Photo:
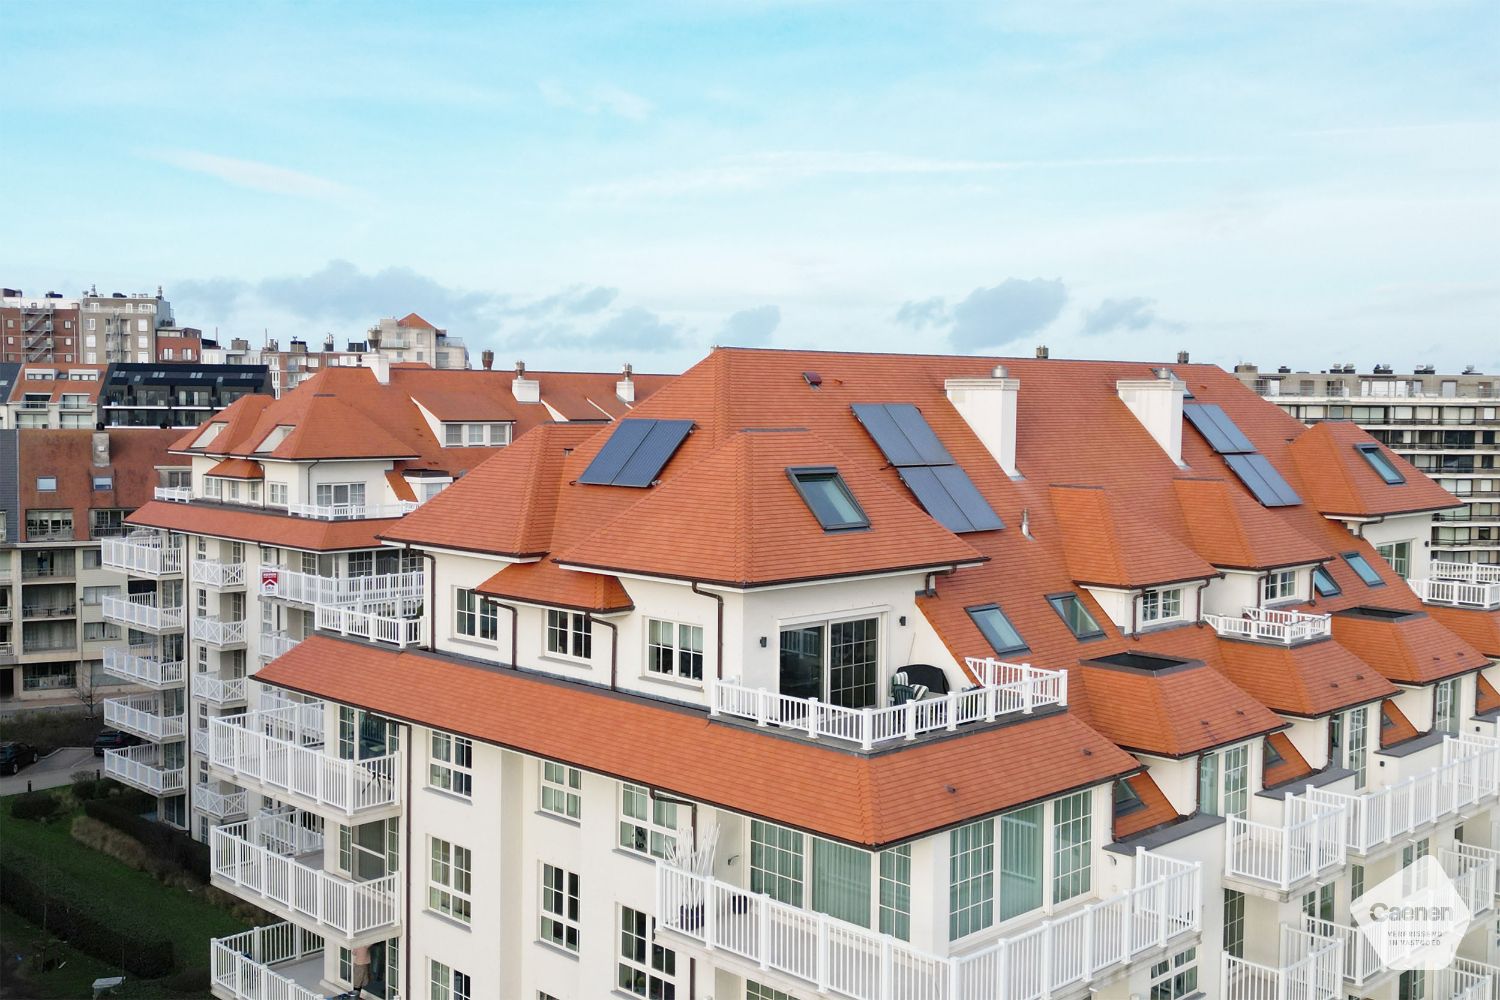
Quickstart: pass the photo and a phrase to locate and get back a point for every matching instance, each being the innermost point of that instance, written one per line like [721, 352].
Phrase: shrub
[84, 923]
[86, 786]
[172, 846]
[188, 983]
[36, 806]
[105, 839]
[49, 730]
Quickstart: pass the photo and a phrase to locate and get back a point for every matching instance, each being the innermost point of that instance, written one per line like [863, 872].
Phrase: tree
[85, 691]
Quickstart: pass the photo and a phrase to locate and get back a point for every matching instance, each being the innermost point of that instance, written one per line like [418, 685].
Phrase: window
[453, 435]
[1323, 582]
[1280, 586]
[1318, 903]
[1445, 713]
[1161, 605]
[840, 877]
[452, 764]
[1383, 466]
[1176, 977]
[674, 649]
[474, 435]
[1356, 730]
[331, 494]
[1366, 572]
[104, 482]
[1080, 622]
[1072, 845]
[1412, 853]
[561, 790]
[448, 984]
[46, 484]
[1021, 835]
[42, 525]
[276, 494]
[450, 880]
[1356, 882]
[1223, 782]
[648, 825]
[1398, 554]
[475, 615]
[645, 968]
[1234, 923]
[829, 499]
[997, 629]
[96, 595]
[971, 879]
[100, 632]
[559, 908]
[1126, 799]
[755, 991]
[570, 634]
[895, 892]
[776, 862]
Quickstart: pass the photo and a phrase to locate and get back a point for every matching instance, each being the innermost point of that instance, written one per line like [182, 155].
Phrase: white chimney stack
[1157, 404]
[379, 364]
[988, 405]
[526, 390]
[625, 388]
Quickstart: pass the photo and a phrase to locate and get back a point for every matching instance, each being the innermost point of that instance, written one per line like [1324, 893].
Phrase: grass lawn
[188, 919]
[71, 980]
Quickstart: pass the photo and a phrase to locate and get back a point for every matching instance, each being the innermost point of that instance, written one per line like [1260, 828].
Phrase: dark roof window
[1324, 582]
[828, 497]
[1366, 572]
[1380, 464]
[997, 629]
[1077, 617]
[1127, 800]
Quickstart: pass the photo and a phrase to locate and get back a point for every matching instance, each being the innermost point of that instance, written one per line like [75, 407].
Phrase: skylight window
[1324, 583]
[1126, 799]
[1380, 464]
[828, 497]
[997, 629]
[1364, 569]
[1077, 617]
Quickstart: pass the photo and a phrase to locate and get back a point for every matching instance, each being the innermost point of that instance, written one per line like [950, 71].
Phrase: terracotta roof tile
[1230, 530]
[1306, 680]
[238, 468]
[1486, 699]
[1395, 727]
[67, 455]
[1336, 479]
[1155, 810]
[1480, 629]
[547, 584]
[1415, 649]
[1113, 551]
[249, 525]
[1291, 766]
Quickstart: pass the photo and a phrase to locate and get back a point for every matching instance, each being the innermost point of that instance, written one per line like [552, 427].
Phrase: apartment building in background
[816, 674]
[165, 394]
[1447, 426]
[39, 395]
[412, 338]
[63, 494]
[89, 329]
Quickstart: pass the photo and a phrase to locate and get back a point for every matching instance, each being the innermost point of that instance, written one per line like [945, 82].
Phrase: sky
[582, 185]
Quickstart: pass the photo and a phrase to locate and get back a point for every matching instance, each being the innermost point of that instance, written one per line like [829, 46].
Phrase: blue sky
[581, 185]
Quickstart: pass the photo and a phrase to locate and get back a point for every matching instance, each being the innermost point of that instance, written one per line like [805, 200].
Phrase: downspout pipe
[514, 629]
[409, 853]
[718, 630]
[614, 648]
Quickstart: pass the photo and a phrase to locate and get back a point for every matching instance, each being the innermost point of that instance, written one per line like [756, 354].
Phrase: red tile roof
[547, 584]
[1155, 812]
[238, 468]
[252, 525]
[873, 801]
[1291, 766]
[67, 455]
[1119, 552]
[1411, 650]
[1335, 485]
[1232, 531]
[1395, 727]
[413, 321]
[1306, 680]
[1480, 629]
[56, 388]
[1486, 699]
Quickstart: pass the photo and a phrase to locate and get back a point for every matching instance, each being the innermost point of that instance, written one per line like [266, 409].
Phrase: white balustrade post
[952, 708]
[710, 911]
[812, 718]
[909, 719]
[823, 957]
[886, 989]
[763, 935]
[1028, 691]
[991, 696]
[713, 696]
[760, 707]
[866, 730]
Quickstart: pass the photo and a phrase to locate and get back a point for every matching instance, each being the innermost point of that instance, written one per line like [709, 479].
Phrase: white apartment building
[859, 676]
[1447, 426]
[412, 338]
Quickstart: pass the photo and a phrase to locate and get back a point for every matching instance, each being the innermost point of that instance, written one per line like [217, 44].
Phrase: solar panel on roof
[1216, 427]
[1262, 479]
[947, 493]
[902, 434]
[636, 452]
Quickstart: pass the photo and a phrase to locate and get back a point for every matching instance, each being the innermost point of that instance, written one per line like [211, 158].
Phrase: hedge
[163, 841]
[36, 806]
[113, 941]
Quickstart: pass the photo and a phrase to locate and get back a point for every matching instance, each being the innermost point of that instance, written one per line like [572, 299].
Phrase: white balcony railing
[220, 805]
[218, 631]
[140, 611]
[1006, 689]
[1461, 585]
[403, 630]
[256, 865]
[274, 644]
[1288, 628]
[143, 553]
[833, 956]
[1476, 853]
[350, 511]
[219, 690]
[142, 715]
[253, 965]
[341, 591]
[1309, 842]
[1361, 961]
[214, 573]
[141, 767]
[281, 752]
[174, 494]
[1479, 981]
[1311, 968]
[142, 667]
[1468, 777]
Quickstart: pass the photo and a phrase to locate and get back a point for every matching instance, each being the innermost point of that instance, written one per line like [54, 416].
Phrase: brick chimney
[487, 360]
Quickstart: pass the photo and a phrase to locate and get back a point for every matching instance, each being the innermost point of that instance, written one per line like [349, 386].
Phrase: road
[50, 772]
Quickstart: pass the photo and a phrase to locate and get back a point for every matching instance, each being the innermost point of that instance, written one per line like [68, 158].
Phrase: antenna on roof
[1026, 522]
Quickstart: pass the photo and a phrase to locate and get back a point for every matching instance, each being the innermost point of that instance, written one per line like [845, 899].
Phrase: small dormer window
[828, 497]
[1381, 464]
[1126, 799]
[1077, 617]
[272, 440]
[1362, 567]
[997, 629]
[209, 433]
[1280, 586]
[1161, 605]
[1324, 584]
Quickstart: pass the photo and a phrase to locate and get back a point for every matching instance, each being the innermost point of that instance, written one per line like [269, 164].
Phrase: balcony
[138, 664]
[141, 767]
[142, 715]
[1006, 689]
[274, 644]
[276, 863]
[220, 691]
[834, 957]
[1308, 844]
[1361, 962]
[1467, 780]
[1311, 968]
[342, 591]
[1283, 628]
[1461, 585]
[403, 630]
[275, 962]
[61, 534]
[174, 494]
[350, 511]
[280, 753]
[140, 612]
[220, 805]
[214, 573]
[145, 554]
[51, 570]
[38, 611]
[218, 631]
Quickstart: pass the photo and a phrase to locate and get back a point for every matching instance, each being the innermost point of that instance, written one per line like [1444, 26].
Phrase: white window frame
[650, 828]
[1178, 974]
[1279, 585]
[451, 764]
[560, 908]
[654, 973]
[450, 880]
[474, 617]
[349, 489]
[276, 494]
[1399, 560]
[574, 629]
[445, 983]
[677, 645]
[1163, 604]
[560, 791]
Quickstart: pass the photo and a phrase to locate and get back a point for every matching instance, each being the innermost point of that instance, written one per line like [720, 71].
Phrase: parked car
[113, 739]
[14, 756]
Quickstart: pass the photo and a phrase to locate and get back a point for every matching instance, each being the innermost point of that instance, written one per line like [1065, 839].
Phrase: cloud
[250, 174]
[751, 327]
[635, 329]
[215, 296]
[576, 300]
[920, 315]
[341, 291]
[608, 99]
[990, 317]
[1119, 314]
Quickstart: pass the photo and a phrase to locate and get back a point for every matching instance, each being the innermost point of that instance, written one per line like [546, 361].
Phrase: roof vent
[1182, 357]
[487, 359]
[1472, 370]
[813, 379]
[1041, 351]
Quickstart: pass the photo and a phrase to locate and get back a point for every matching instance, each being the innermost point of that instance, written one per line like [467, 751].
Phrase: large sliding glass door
[802, 661]
[837, 662]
